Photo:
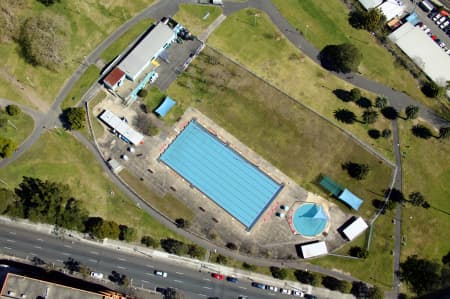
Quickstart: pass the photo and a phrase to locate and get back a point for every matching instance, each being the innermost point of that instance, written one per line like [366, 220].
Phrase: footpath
[191, 263]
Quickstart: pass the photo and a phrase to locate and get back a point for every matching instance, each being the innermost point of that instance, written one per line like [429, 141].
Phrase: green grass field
[18, 128]
[122, 42]
[68, 161]
[90, 23]
[192, 16]
[326, 22]
[266, 52]
[426, 169]
[89, 77]
[295, 140]
[165, 204]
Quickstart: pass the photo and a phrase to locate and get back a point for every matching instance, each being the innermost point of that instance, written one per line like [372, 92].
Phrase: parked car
[259, 285]
[443, 25]
[423, 27]
[97, 275]
[427, 31]
[160, 273]
[441, 20]
[232, 279]
[442, 44]
[218, 276]
[437, 17]
[272, 288]
[309, 296]
[285, 291]
[297, 293]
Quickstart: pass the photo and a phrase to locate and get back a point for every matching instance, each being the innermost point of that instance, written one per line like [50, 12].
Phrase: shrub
[196, 251]
[358, 252]
[142, 93]
[13, 110]
[174, 246]
[182, 223]
[149, 242]
[221, 259]
[386, 133]
[231, 246]
[374, 133]
[278, 273]
[249, 267]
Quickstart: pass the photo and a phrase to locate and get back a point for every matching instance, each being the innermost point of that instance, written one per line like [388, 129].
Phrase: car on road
[285, 291]
[232, 279]
[96, 275]
[437, 17]
[298, 293]
[309, 296]
[160, 273]
[271, 288]
[218, 276]
[242, 297]
[259, 285]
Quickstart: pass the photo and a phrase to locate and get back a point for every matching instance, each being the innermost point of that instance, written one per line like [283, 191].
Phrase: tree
[248, 266]
[357, 171]
[343, 58]
[221, 259]
[231, 246]
[374, 133]
[432, 90]
[128, 234]
[336, 284]
[369, 116]
[421, 131]
[103, 228]
[386, 133]
[76, 117]
[142, 93]
[308, 277]
[144, 125]
[412, 112]
[278, 273]
[444, 133]
[364, 102]
[395, 195]
[174, 246]
[389, 112]
[376, 293]
[421, 274]
[13, 110]
[372, 20]
[43, 40]
[182, 223]
[49, 2]
[196, 251]
[10, 19]
[173, 294]
[72, 265]
[73, 216]
[7, 198]
[149, 242]
[7, 147]
[417, 200]
[355, 94]
[358, 252]
[380, 102]
[344, 115]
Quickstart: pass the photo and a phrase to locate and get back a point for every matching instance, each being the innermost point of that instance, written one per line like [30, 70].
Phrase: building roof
[314, 249]
[165, 107]
[423, 51]
[17, 286]
[368, 4]
[392, 9]
[351, 199]
[328, 184]
[121, 127]
[147, 48]
[355, 228]
[114, 76]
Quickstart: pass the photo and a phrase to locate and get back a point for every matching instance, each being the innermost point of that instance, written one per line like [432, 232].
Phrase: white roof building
[356, 228]
[121, 127]
[314, 249]
[368, 4]
[423, 51]
[392, 9]
[147, 50]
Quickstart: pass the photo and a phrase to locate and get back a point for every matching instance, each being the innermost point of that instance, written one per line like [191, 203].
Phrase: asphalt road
[195, 283]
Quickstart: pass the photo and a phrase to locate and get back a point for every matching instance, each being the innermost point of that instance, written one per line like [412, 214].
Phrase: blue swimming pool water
[309, 219]
[221, 173]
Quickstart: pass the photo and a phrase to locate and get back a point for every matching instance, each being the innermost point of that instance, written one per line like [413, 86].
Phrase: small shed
[355, 228]
[165, 107]
[314, 249]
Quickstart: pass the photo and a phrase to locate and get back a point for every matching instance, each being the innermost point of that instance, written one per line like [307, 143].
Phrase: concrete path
[205, 34]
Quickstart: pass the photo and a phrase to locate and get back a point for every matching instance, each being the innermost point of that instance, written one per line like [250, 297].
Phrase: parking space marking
[244, 288]
[179, 273]
[10, 241]
[7, 248]
[122, 259]
[207, 279]
[149, 274]
[145, 281]
[94, 252]
[179, 281]
[120, 267]
[37, 247]
[65, 253]
[208, 288]
[67, 246]
[92, 260]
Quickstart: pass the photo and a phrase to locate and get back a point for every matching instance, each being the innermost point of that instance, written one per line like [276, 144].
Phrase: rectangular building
[314, 249]
[356, 228]
[127, 133]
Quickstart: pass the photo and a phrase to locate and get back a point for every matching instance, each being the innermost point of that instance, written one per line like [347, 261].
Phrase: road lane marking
[208, 288]
[92, 260]
[203, 295]
[60, 261]
[10, 241]
[39, 239]
[145, 281]
[120, 267]
[122, 259]
[243, 288]
[7, 248]
[148, 273]
[67, 246]
[207, 279]
[179, 281]
[65, 253]
[179, 273]
[37, 247]
[13, 233]
[150, 266]
[94, 252]
[32, 253]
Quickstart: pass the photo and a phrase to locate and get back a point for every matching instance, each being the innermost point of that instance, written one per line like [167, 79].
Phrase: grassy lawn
[82, 85]
[192, 16]
[68, 161]
[10, 93]
[326, 22]
[297, 141]
[154, 99]
[98, 128]
[266, 52]
[165, 204]
[425, 169]
[122, 42]
[19, 128]
[90, 23]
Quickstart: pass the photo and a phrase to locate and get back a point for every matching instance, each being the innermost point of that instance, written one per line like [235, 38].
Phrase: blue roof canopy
[351, 199]
[165, 107]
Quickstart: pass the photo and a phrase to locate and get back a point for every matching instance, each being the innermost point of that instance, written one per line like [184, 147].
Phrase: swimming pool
[309, 219]
[222, 174]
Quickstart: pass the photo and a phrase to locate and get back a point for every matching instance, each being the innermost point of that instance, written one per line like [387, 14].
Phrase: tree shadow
[364, 102]
[342, 94]
[344, 115]
[421, 131]
[64, 120]
[374, 133]
[389, 113]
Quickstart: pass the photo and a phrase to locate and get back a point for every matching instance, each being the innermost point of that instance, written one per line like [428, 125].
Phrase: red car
[218, 276]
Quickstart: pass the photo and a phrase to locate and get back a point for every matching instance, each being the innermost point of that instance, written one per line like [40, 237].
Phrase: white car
[438, 22]
[160, 273]
[298, 293]
[427, 31]
[443, 25]
[272, 288]
[285, 291]
[442, 44]
[437, 17]
[423, 27]
[97, 275]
